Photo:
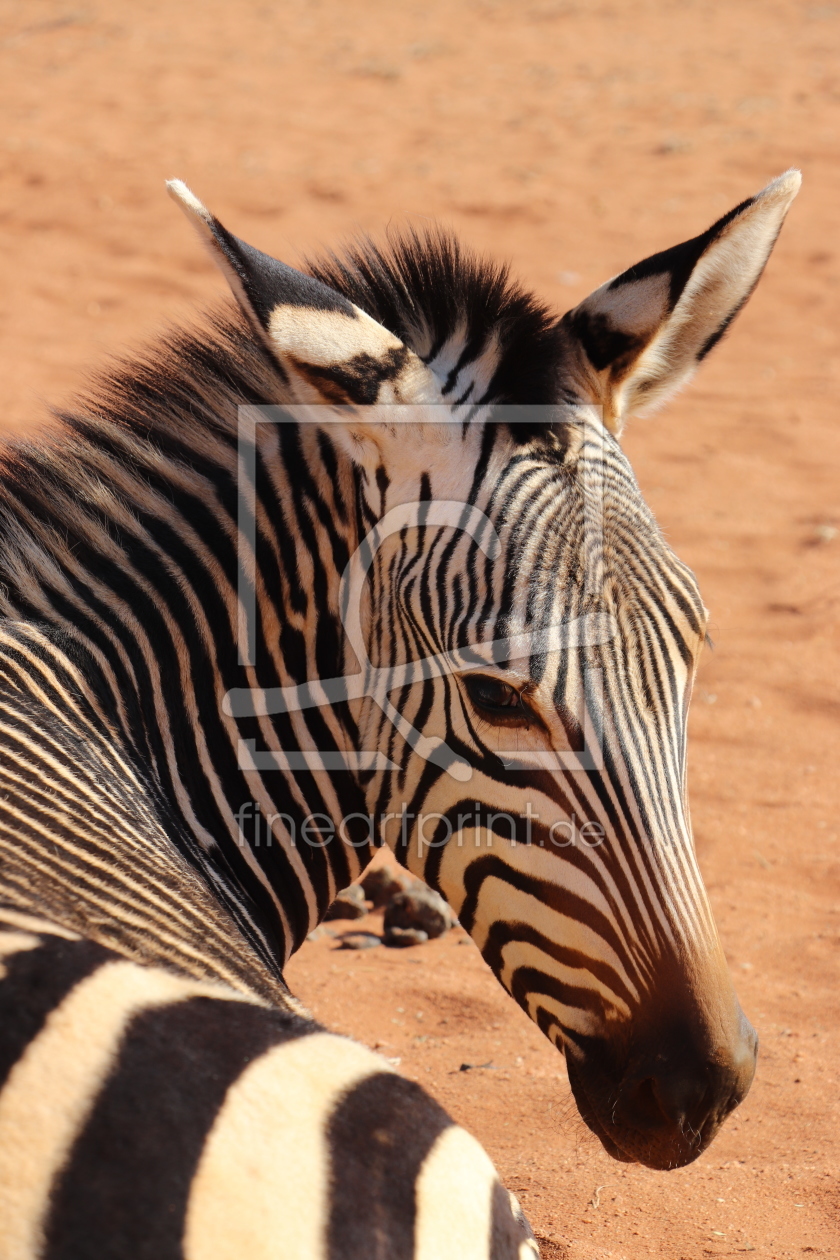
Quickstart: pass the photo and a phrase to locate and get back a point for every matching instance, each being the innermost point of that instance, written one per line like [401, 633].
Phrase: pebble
[419, 908]
[349, 904]
[383, 883]
[399, 938]
[318, 932]
[360, 940]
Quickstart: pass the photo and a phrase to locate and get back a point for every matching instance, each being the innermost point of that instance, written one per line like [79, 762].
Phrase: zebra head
[520, 639]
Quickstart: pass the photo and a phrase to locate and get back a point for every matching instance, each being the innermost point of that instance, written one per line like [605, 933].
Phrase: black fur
[605, 345]
[424, 287]
[36, 981]
[269, 283]
[378, 1138]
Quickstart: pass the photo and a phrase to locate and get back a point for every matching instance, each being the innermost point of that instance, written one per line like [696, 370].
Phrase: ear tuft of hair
[186, 198]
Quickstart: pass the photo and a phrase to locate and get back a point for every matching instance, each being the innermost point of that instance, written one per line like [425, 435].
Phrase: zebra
[297, 584]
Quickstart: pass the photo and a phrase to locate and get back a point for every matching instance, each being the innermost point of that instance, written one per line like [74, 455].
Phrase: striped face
[556, 823]
[521, 639]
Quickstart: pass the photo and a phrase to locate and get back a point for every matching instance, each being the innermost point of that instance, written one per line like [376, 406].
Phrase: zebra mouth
[587, 1114]
[612, 1149]
[663, 1148]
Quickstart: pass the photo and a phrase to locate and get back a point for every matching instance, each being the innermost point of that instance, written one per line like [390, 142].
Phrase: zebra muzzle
[671, 1101]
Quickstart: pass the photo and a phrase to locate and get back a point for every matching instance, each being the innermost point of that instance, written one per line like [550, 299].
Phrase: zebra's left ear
[643, 333]
[330, 351]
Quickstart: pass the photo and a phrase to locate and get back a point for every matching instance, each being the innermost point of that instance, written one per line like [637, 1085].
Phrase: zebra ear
[643, 333]
[331, 352]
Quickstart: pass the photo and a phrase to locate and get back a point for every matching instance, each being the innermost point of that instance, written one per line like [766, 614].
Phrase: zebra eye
[495, 699]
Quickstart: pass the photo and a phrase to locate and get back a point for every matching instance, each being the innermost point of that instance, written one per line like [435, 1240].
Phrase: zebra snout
[671, 1106]
[661, 1101]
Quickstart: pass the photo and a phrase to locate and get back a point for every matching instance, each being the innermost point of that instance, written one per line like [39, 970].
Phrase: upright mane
[452, 307]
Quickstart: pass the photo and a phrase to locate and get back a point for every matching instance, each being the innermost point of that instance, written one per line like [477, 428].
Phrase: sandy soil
[572, 138]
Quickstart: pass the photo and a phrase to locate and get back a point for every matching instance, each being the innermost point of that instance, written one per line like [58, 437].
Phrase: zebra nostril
[682, 1092]
[644, 1101]
[685, 1102]
[666, 1100]
[749, 1045]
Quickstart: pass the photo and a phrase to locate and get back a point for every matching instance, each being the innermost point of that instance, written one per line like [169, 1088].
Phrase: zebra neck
[122, 548]
[297, 836]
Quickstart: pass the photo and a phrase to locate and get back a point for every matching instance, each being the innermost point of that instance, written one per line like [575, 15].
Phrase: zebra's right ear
[330, 351]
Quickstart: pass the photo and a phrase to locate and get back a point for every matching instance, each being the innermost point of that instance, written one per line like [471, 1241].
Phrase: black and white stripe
[155, 790]
[146, 1115]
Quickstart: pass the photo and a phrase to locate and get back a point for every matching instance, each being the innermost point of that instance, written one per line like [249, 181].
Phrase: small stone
[360, 940]
[385, 882]
[349, 904]
[318, 932]
[419, 908]
[399, 938]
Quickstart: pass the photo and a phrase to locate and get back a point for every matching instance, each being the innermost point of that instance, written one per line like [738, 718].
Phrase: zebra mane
[448, 304]
[143, 420]
[175, 401]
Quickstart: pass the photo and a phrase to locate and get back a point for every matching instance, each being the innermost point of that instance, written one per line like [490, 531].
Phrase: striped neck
[121, 546]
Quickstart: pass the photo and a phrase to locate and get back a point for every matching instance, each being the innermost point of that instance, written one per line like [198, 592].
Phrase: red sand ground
[572, 138]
